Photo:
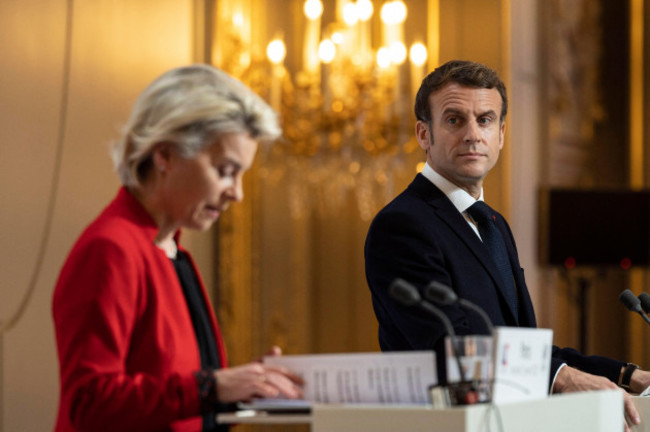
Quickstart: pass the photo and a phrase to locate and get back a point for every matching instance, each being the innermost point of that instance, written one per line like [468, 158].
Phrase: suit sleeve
[596, 365]
[95, 306]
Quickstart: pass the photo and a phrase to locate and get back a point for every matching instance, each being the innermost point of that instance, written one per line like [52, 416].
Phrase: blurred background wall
[286, 266]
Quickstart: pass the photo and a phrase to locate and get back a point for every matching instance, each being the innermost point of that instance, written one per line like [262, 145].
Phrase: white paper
[392, 378]
[522, 363]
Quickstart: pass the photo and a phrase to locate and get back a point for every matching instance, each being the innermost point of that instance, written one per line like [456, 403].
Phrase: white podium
[589, 412]
[593, 412]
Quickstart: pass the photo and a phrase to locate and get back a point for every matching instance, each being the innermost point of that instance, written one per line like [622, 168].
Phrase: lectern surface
[600, 411]
[588, 412]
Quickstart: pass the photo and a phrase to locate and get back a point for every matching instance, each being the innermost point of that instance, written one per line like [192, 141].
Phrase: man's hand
[640, 381]
[571, 380]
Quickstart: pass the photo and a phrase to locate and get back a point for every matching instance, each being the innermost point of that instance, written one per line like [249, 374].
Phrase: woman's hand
[274, 351]
[256, 380]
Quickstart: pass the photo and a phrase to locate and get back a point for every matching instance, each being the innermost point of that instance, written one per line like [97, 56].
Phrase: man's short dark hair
[464, 73]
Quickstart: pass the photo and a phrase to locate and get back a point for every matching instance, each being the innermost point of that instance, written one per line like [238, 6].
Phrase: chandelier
[345, 100]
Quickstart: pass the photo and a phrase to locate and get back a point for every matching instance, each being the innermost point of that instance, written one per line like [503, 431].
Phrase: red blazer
[126, 345]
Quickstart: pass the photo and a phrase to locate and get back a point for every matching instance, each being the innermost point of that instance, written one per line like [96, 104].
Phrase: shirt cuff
[206, 381]
[555, 377]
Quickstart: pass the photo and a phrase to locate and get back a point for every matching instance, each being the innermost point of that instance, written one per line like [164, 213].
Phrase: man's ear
[502, 134]
[423, 135]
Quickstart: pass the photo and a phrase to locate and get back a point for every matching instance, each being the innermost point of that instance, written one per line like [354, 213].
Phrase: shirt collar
[460, 198]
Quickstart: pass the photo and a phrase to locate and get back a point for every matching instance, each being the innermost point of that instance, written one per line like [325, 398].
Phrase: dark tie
[492, 238]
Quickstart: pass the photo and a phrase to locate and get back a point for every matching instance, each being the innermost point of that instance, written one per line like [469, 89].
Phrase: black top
[202, 327]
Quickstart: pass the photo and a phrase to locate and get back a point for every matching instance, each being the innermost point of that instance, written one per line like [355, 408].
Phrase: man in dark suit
[433, 231]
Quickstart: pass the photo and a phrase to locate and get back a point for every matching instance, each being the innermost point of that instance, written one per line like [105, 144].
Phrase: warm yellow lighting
[419, 167]
[397, 52]
[383, 57]
[276, 51]
[313, 9]
[326, 51]
[381, 178]
[356, 59]
[238, 20]
[364, 9]
[354, 167]
[337, 38]
[386, 13]
[418, 54]
[350, 14]
[341, 93]
[393, 12]
[400, 11]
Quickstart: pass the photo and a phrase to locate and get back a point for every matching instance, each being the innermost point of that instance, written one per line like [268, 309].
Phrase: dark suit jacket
[420, 236]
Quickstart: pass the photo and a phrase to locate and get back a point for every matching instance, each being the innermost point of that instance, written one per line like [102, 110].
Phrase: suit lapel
[450, 215]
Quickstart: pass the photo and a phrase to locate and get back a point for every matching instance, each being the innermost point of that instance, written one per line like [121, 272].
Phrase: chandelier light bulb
[418, 54]
[393, 12]
[386, 17]
[276, 51]
[397, 52]
[364, 9]
[337, 37]
[400, 11]
[238, 19]
[313, 9]
[383, 57]
[350, 14]
[326, 51]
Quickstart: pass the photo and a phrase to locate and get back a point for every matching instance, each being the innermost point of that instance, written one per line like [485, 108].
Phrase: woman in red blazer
[138, 342]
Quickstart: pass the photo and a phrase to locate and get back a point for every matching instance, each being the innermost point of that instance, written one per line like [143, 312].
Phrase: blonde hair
[189, 107]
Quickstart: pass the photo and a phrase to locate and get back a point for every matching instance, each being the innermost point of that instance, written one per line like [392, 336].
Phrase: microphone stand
[464, 392]
[442, 294]
[450, 331]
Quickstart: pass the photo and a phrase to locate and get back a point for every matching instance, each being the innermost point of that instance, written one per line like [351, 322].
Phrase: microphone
[408, 295]
[631, 302]
[644, 298]
[441, 294]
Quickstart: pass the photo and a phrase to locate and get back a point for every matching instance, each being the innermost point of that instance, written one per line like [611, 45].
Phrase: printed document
[391, 378]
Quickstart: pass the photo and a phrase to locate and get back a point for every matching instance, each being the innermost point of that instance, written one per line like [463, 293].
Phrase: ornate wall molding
[573, 49]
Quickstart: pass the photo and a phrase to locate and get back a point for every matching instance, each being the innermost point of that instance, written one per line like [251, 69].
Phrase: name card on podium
[522, 363]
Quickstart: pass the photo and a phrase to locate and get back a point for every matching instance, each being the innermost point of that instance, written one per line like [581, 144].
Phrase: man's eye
[452, 120]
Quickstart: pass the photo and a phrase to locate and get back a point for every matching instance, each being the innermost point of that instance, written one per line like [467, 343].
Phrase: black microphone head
[404, 292]
[440, 293]
[644, 298]
[630, 301]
